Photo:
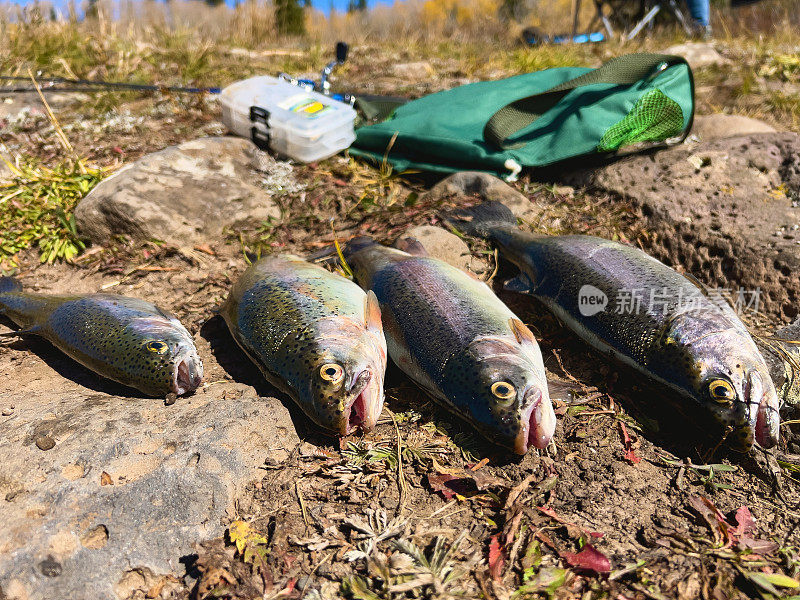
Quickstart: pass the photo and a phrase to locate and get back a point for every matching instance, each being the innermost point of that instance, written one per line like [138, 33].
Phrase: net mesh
[655, 118]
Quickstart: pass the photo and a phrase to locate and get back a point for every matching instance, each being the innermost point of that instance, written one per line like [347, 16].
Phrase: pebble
[45, 442]
[7, 412]
[50, 567]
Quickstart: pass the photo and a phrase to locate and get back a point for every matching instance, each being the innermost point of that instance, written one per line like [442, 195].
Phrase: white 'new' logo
[591, 300]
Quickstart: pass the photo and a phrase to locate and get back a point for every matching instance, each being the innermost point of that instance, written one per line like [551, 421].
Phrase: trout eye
[156, 346]
[504, 391]
[332, 372]
[721, 391]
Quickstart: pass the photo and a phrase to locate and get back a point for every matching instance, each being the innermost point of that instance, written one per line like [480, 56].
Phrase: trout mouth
[187, 376]
[356, 413]
[763, 405]
[538, 422]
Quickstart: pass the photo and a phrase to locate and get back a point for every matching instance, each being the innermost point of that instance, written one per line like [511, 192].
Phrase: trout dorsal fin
[372, 312]
[521, 331]
[714, 296]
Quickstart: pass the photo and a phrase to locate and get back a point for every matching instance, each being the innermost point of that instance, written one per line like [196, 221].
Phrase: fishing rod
[63, 84]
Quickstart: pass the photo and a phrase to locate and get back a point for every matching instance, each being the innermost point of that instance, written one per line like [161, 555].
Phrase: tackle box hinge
[260, 138]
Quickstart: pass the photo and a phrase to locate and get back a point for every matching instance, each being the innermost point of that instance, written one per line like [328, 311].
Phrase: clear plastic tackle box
[290, 120]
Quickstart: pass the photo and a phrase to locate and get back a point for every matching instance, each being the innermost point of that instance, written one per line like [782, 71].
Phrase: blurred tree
[214, 2]
[91, 9]
[357, 6]
[290, 18]
[514, 10]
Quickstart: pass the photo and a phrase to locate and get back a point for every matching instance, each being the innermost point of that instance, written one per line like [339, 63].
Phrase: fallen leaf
[497, 559]
[553, 515]
[588, 559]
[745, 522]
[205, 248]
[714, 519]
[438, 483]
[547, 580]
[780, 580]
[627, 442]
[249, 542]
[452, 481]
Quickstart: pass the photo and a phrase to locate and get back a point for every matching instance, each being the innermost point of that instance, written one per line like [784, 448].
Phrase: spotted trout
[629, 305]
[316, 336]
[458, 341]
[127, 340]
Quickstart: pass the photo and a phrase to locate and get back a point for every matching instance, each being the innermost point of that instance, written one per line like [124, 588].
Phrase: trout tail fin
[9, 284]
[482, 220]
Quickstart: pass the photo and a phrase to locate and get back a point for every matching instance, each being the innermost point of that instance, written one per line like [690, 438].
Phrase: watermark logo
[591, 300]
[635, 301]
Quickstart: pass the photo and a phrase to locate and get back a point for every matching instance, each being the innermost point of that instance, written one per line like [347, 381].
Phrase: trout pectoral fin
[372, 312]
[520, 284]
[521, 331]
[35, 330]
[411, 245]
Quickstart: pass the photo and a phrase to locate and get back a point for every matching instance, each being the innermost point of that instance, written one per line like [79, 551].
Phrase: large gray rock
[726, 211]
[698, 54]
[185, 194]
[720, 126]
[441, 244]
[485, 187]
[127, 488]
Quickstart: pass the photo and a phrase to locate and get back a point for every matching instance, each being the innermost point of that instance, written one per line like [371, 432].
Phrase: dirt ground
[348, 518]
[630, 502]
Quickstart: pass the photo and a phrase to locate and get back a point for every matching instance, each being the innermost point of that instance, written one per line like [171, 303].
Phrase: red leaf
[438, 483]
[497, 559]
[714, 519]
[745, 522]
[588, 559]
[630, 455]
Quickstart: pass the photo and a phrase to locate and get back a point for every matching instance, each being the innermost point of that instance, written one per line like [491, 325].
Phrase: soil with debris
[629, 502]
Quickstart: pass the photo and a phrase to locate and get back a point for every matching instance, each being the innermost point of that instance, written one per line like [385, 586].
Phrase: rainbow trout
[125, 339]
[459, 342]
[316, 336]
[627, 304]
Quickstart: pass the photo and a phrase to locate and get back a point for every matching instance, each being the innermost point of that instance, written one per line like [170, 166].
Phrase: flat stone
[698, 54]
[442, 244]
[174, 475]
[185, 194]
[720, 126]
[726, 211]
[485, 187]
[413, 70]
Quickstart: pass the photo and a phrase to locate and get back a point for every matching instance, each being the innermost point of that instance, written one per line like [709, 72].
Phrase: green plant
[36, 209]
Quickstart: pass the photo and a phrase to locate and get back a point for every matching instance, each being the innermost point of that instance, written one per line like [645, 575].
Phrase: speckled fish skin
[127, 340]
[316, 336]
[457, 340]
[680, 337]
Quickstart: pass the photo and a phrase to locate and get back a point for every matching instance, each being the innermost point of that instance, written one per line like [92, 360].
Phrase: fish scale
[293, 319]
[457, 340]
[128, 340]
[681, 337]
